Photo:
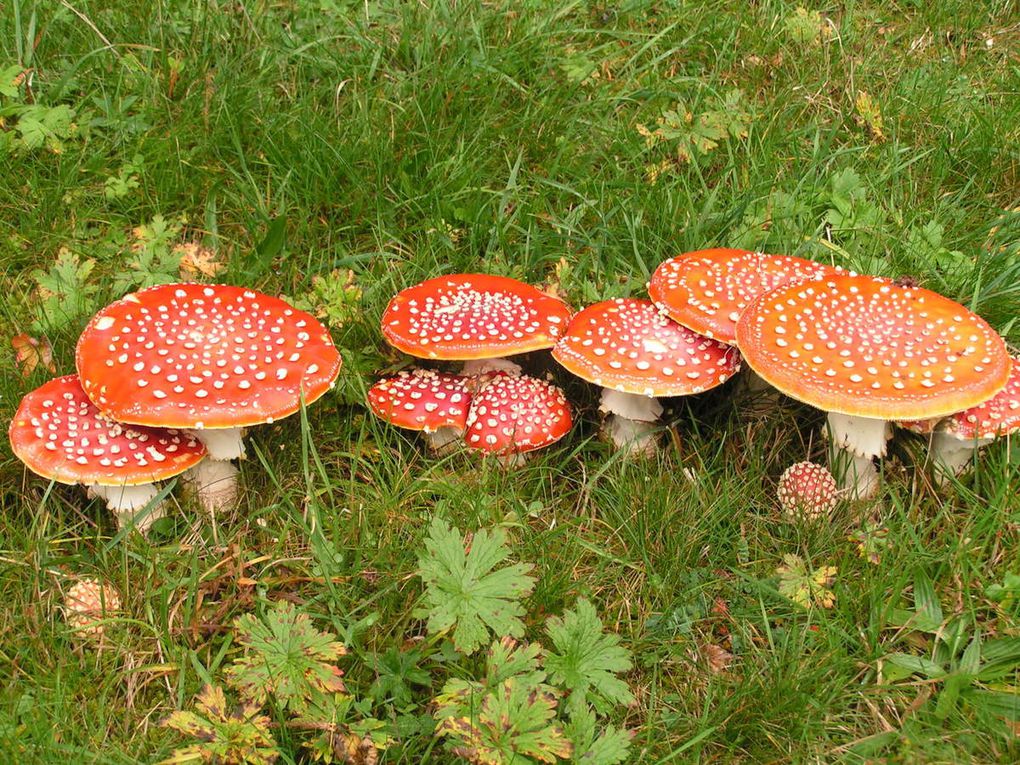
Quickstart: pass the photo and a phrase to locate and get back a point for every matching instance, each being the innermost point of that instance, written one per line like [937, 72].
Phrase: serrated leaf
[240, 737]
[592, 746]
[285, 656]
[465, 592]
[586, 659]
[507, 658]
[514, 725]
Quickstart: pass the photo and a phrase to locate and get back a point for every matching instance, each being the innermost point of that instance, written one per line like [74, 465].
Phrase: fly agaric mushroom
[87, 603]
[807, 490]
[210, 359]
[470, 317]
[61, 435]
[514, 414]
[707, 290]
[956, 440]
[636, 355]
[435, 403]
[867, 350]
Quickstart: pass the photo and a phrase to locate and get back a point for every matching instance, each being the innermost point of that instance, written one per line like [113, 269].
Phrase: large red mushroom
[60, 434]
[209, 359]
[867, 351]
[473, 318]
[637, 355]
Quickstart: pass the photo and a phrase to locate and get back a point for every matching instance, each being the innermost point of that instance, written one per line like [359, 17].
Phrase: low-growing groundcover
[369, 602]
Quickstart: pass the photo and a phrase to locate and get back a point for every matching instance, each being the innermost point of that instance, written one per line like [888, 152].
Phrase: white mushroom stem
[952, 455]
[214, 483]
[857, 442]
[476, 367]
[127, 501]
[222, 443]
[443, 440]
[631, 421]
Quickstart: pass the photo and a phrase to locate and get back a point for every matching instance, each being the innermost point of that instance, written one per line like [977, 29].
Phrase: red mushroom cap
[996, 417]
[61, 435]
[517, 414]
[707, 290]
[628, 345]
[204, 356]
[807, 489]
[422, 399]
[472, 316]
[867, 347]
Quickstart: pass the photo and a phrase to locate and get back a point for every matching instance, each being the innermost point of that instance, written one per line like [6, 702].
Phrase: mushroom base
[951, 455]
[857, 477]
[443, 440]
[636, 438]
[631, 421]
[214, 484]
[222, 443]
[128, 502]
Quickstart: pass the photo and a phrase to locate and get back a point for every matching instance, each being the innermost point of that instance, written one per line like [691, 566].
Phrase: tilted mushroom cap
[996, 417]
[472, 316]
[867, 347]
[422, 399]
[629, 346]
[517, 413]
[707, 290]
[61, 435]
[204, 356]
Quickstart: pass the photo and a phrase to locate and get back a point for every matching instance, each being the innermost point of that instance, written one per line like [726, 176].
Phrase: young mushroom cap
[87, 603]
[627, 345]
[421, 399]
[204, 357]
[512, 414]
[707, 290]
[472, 316]
[61, 435]
[866, 347]
[807, 490]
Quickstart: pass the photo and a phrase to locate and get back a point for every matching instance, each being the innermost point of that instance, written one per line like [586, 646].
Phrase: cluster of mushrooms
[167, 379]
[869, 351]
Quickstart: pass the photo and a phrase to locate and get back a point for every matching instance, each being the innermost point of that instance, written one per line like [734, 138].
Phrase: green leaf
[514, 725]
[285, 656]
[998, 703]
[586, 659]
[65, 291]
[397, 671]
[465, 592]
[592, 746]
[897, 666]
[1000, 657]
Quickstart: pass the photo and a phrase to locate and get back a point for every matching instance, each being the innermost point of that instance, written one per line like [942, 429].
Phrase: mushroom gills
[128, 503]
[222, 443]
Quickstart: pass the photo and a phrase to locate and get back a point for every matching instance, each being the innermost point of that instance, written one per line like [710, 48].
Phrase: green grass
[403, 140]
